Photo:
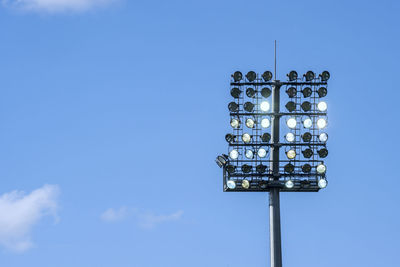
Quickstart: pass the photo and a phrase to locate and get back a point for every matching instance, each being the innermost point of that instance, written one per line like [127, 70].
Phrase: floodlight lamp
[321, 169]
[234, 154]
[309, 76]
[290, 106]
[230, 169]
[249, 154]
[292, 75]
[322, 106]
[323, 152]
[306, 168]
[322, 183]
[218, 163]
[307, 123]
[323, 137]
[322, 92]
[245, 184]
[261, 168]
[237, 76]
[289, 168]
[233, 107]
[267, 76]
[250, 123]
[246, 138]
[289, 184]
[264, 106]
[321, 123]
[251, 76]
[250, 92]
[235, 123]
[290, 137]
[235, 92]
[307, 92]
[308, 153]
[306, 106]
[262, 153]
[222, 160]
[230, 138]
[325, 75]
[265, 137]
[307, 137]
[265, 123]
[246, 168]
[265, 92]
[248, 106]
[291, 123]
[292, 92]
[291, 154]
[231, 184]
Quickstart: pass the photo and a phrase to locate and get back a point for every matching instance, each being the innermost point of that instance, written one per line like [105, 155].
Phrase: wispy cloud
[115, 215]
[151, 220]
[56, 6]
[19, 212]
[144, 219]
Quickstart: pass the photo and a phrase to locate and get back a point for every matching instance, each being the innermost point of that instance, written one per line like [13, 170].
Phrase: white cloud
[114, 215]
[150, 220]
[56, 6]
[20, 212]
[146, 220]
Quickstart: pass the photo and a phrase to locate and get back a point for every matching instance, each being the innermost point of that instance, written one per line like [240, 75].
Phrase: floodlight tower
[256, 133]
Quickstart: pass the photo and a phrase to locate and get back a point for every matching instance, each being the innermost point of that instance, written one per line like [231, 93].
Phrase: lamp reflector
[246, 138]
[322, 183]
[237, 76]
[290, 137]
[235, 92]
[325, 75]
[231, 184]
[265, 123]
[321, 169]
[292, 92]
[289, 184]
[265, 92]
[322, 106]
[245, 184]
[235, 123]
[251, 76]
[265, 137]
[307, 92]
[248, 106]
[234, 154]
[250, 92]
[267, 76]
[250, 123]
[307, 123]
[290, 106]
[291, 123]
[264, 106]
[233, 107]
[292, 75]
[321, 123]
[262, 153]
[323, 137]
[309, 76]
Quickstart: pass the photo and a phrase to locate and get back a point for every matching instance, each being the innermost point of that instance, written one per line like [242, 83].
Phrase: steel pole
[274, 205]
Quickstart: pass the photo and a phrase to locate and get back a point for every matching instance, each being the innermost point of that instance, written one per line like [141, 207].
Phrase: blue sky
[112, 113]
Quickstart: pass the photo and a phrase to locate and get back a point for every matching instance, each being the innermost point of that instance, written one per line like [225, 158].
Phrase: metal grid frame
[263, 182]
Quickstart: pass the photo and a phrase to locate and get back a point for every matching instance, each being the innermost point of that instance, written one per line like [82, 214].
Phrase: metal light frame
[276, 177]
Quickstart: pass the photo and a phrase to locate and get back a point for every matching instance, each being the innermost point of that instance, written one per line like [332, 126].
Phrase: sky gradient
[112, 115]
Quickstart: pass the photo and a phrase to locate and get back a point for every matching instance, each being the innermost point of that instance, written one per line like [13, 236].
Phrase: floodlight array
[301, 166]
